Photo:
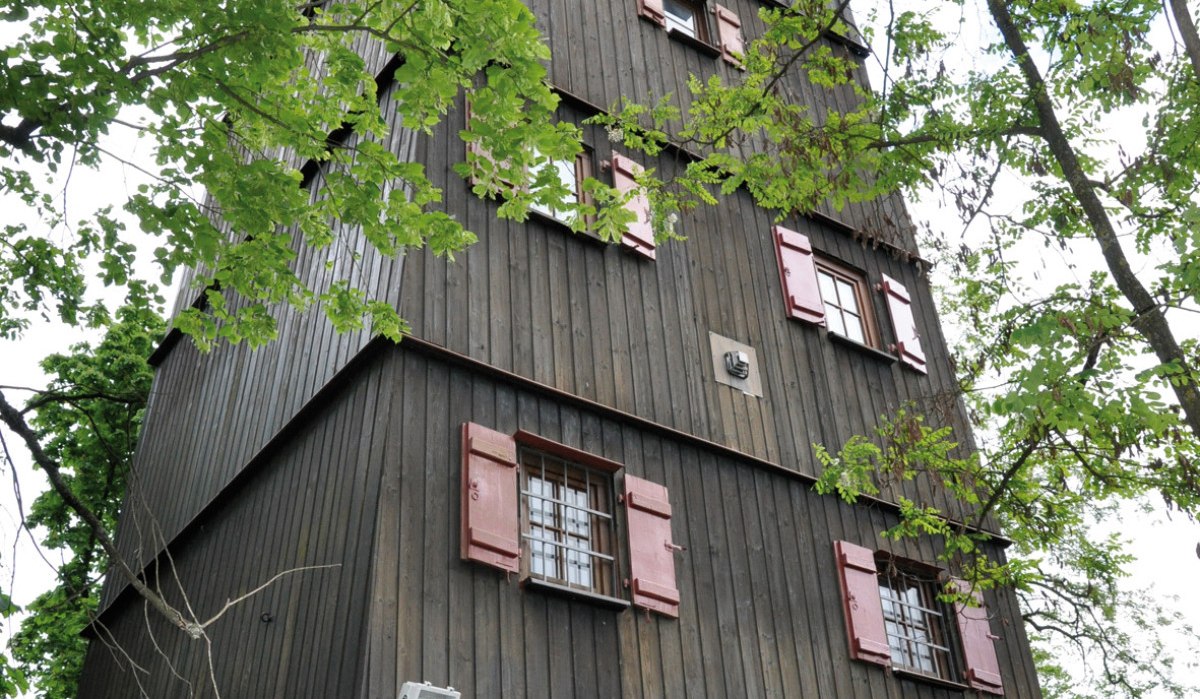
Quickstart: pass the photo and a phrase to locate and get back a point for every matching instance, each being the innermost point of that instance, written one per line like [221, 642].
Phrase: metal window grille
[568, 525]
[918, 625]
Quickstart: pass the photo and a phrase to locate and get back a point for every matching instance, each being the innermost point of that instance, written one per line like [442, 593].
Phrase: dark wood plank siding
[311, 503]
[214, 412]
[607, 325]
[760, 613]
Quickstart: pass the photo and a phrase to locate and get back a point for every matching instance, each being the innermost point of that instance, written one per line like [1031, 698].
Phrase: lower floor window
[918, 625]
[567, 522]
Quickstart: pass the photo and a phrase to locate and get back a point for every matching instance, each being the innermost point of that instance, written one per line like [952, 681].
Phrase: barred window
[918, 625]
[567, 523]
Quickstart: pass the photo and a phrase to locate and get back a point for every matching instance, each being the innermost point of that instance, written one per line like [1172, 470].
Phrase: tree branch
[16, 422]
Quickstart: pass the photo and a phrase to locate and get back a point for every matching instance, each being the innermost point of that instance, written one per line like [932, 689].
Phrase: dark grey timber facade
[344, 453]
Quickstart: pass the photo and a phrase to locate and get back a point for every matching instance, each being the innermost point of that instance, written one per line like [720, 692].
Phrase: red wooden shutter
[908, 342]
[651, 549]
[639, 236]
[979, 648]
[860, 599]
[653, 11]
[798, 276]
[489, 498]
[729, 29]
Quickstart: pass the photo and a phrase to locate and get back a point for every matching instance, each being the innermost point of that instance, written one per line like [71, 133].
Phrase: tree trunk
[1149, 320]
[1187, 28]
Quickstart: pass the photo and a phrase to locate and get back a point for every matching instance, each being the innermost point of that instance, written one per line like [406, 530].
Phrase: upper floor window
[686, 18]
[821, 292]
[847, 303]
[570, 174]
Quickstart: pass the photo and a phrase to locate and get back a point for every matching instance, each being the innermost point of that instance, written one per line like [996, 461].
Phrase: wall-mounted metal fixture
[737, 364]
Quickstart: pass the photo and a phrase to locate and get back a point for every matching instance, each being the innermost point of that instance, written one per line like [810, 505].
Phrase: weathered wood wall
[308, 502]
[760, 615]
[371, 483]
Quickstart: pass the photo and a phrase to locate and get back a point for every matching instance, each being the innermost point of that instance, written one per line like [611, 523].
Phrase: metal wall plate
[752, 384]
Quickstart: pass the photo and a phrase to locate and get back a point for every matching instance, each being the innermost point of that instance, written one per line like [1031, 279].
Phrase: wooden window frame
[537, 455]
[905, 621]
[862, 297]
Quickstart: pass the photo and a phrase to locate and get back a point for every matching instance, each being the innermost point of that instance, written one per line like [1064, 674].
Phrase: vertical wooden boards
[303, 507]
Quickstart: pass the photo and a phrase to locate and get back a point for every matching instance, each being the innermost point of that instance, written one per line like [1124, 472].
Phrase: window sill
[867, 349]
[699, 44]
[599, 600]
[929, 679]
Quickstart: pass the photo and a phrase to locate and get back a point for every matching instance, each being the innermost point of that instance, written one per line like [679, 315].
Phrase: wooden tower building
[587, 473]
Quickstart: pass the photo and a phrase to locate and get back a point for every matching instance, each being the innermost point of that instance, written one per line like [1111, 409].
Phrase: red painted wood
[489, 498]
[860, 599]
[908, 342]
[639, 236]
[979, 647]
[729, 30]
[798, 276]
[651, 548]
[653, 11]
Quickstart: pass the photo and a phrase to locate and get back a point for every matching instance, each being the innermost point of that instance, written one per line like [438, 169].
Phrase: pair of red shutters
[491, 519]
[802, 293]
[859, 580]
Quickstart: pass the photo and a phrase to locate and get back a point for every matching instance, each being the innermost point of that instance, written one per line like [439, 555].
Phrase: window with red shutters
[798, 276]
[548, 511]
[729, 30]
[895, 617]
[489, 498]
[908, 340]
[980, 663]
[651, 547]
[639, 236]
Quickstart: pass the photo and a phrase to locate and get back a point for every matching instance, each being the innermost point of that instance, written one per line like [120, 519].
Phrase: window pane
[828, 290]
[854, 329]
[833, 319]
[846, 296]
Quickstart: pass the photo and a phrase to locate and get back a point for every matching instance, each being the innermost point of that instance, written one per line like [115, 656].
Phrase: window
[686, 20]
[567, 522]
[547, 512]
[570, 174]
[685, 17]
[916, 622]
[847, 304]
[894, 619]
[821, 292]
